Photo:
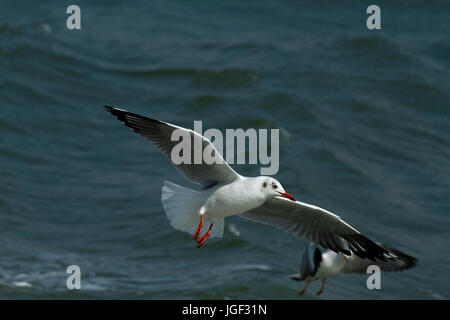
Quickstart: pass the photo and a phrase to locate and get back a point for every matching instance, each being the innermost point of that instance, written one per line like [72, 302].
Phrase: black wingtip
[409, 261]
[363, 247]
[118, 113]
[124, 116]
[112, 110]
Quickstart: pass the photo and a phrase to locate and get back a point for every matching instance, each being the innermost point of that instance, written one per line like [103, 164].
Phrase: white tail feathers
[182, 210]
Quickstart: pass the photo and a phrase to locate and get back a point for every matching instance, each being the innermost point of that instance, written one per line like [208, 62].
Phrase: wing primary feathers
[160, 134]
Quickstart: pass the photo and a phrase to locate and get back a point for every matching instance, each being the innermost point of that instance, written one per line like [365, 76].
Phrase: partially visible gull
[322, 265]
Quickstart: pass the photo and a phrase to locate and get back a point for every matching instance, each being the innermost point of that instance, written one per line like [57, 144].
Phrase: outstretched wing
[397, 261]
[317, 225]
[160, 134]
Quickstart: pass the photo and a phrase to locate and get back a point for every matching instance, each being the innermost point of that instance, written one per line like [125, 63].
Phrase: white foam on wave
[22, 284]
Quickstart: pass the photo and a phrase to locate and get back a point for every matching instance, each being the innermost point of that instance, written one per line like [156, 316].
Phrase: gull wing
[160, 133]
[316, 224]
[397, 261]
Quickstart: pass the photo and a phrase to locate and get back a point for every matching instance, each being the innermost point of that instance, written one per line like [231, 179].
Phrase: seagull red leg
[308, 280]
[322, 287]
[203, 239]
[199, 228]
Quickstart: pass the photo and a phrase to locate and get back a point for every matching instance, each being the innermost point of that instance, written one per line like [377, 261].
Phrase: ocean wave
[233, 77]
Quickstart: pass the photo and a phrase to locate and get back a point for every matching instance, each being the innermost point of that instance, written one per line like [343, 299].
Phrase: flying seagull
[225, 193]
[322, 265]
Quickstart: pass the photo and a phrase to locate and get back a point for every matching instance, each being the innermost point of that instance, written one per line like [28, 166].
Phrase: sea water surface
[364, 132]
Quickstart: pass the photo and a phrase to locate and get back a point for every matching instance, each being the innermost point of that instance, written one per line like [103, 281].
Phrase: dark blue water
[363, 115]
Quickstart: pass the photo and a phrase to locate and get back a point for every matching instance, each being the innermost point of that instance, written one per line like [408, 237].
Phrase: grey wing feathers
[317, 225]
[396, 261]
[160, 133]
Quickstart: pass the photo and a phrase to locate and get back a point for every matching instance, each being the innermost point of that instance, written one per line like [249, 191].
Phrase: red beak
[287, 195]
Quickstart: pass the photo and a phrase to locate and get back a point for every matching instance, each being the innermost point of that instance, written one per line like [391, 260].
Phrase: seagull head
[272, 188]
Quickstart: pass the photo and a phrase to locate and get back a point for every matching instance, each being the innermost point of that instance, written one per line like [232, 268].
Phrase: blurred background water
[364, 120]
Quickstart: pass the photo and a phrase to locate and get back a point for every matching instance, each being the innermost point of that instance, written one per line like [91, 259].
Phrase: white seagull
[322, 265]
[225, 193]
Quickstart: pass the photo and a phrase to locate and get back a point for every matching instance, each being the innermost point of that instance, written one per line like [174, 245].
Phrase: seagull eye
[274, 186]
[264, 184]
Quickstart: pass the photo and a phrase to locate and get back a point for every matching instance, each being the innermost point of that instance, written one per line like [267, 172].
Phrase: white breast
[234, 198]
